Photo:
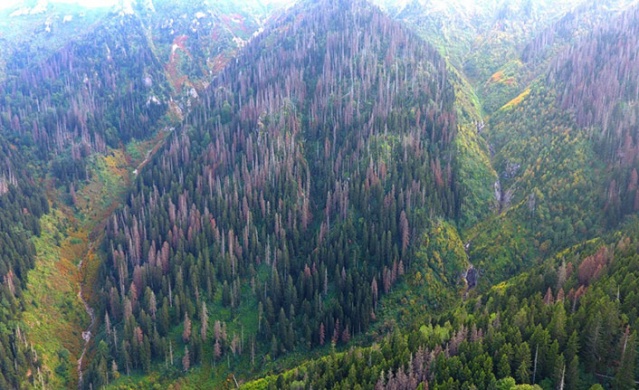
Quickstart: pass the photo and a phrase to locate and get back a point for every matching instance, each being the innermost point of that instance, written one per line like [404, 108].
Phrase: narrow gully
[86, 335]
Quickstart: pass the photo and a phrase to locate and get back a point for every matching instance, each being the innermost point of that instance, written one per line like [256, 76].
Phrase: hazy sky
[99, 3]
[87, 3]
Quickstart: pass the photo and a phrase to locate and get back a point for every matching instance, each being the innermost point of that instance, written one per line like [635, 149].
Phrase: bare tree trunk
[535, 366]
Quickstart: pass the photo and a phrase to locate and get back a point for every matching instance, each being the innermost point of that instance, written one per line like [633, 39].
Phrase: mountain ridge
[297, 181]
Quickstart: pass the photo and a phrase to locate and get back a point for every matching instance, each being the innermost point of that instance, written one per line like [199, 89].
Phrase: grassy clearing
[516, 100]
[54, 315]
[95, 200]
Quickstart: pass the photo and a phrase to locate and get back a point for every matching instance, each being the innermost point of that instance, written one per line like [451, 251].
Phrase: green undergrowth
[434, 282]
[515, 309]
[476, 174]
[54, 316]
[549, 182]
[503, 85]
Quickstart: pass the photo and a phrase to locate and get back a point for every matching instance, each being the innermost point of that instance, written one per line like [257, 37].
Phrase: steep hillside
[564, 149]
[86, 94]
[571, 324]
[86, 82]
[91, 94]
[22, 202]
[565, 153]
[196, 39]
[331, 136]
[222, 193]
[501, 46]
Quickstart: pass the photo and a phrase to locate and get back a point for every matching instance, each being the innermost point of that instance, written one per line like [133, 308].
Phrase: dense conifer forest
[319, 194]
[22, 202]
[324, 212]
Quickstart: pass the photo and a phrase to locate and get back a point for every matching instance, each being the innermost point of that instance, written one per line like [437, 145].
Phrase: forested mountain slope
[86, 92]
[564, 152]
[566, 168]
[570, 323]
[110, 77]
[287, 205]
[202, 193]
[501, 46]
[22, 202]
